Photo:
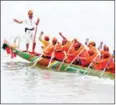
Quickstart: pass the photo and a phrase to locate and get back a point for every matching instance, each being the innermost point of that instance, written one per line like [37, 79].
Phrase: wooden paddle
[74, 59]
[52, 56]
[91, 63]
[65, 55]
[34, 42]
[105, 66]
[86, 43]
[36, 61]
[100, 47]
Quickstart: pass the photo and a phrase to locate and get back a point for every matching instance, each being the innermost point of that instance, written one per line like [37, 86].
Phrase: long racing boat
[64, 67]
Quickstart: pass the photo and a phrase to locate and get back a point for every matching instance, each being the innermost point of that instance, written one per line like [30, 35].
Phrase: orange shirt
[103, 53]
[79, 50]
[67, 46]
[58, 47]
[93, 48]
[48, 50]
[102, 63]
[84, 53]
[59, 53]
[73, 53]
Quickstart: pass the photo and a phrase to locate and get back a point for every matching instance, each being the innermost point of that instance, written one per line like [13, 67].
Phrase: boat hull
[43, 62]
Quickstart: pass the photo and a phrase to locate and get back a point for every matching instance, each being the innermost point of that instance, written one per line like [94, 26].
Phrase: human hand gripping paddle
[98, 54]
[74, 59]
[91, 63]
[105, 66]
[52, 55]
[86, 43]
[39, 58]
[34, 42]
[66, 55]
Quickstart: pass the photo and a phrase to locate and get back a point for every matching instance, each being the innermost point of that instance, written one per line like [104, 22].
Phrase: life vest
[73, 53]
[87, 56]
[111, 67]
[59, 53]
[104, 54]
[48, 51]
[58, 47]
[70, 55]
[103, 62]
[66, 46]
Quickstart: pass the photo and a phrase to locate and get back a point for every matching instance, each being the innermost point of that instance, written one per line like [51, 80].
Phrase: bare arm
[40, 37]
[17, 21]
[37, 22]
[100, 46]
[62, 36]
[65, 54]
[87, 41]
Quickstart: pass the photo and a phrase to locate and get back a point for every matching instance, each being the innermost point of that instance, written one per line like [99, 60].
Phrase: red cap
[92, 43]
[46, 38]
[54, 40]
[77, 45]
[106, 48]
[75, 40]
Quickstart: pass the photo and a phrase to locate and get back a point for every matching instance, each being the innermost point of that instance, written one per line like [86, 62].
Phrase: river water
[21, 83]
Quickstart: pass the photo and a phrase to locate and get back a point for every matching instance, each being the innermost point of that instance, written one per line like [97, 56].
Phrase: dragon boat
[65, 67]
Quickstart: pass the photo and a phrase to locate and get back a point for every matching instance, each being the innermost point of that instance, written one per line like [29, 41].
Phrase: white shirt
[30, 23]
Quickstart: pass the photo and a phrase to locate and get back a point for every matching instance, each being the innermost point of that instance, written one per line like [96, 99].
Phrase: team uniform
[29, 29]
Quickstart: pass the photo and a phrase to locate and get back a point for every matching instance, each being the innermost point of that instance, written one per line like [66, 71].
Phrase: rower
[88, 55]
[105, 56]
[100, 65]
[65, 43]
[78, 47]
[105, 49]
[70, 55]
[92, 46]
[74, 51]
[50, 49]
[44, 41]
[59, 53]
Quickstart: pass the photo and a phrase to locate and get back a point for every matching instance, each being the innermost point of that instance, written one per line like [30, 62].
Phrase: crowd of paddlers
[77, 53]
[71, 52]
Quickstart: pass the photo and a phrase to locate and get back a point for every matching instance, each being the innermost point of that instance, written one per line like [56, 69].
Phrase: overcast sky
[80, 19]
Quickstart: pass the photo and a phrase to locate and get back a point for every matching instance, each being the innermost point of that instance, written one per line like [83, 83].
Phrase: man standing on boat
[30, 25]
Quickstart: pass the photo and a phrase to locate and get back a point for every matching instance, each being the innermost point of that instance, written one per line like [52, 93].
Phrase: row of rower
[78, 53]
